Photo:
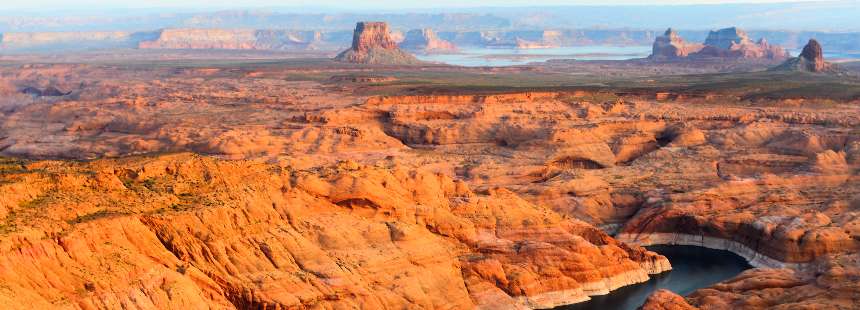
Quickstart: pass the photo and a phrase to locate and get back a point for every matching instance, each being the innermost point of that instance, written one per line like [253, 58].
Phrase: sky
[338, 4]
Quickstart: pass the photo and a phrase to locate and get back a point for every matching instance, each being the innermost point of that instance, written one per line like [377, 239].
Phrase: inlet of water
[692, 268]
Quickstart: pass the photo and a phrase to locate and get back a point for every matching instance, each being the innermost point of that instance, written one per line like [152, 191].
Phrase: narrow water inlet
[693, 268]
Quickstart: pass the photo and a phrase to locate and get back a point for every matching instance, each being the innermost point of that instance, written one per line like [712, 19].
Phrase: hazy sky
[339, 4]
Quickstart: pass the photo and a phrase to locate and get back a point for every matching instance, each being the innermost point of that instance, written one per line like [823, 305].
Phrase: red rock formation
[666, 300]
[372, 44]
[834, 285]
[182, 230]
[724, 43]
[735, 43]
[426, 41]
[811, 59]
[671, 46]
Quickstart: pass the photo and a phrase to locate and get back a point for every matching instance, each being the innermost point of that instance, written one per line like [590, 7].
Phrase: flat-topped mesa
[811, 59]
[372, 44]
[670, 46]
[426, 41]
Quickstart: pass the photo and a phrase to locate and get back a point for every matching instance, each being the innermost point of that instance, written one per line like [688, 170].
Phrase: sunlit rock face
[372, 44]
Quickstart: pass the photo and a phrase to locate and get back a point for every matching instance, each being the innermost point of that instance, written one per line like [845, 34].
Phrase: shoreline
[755, 259]
[605, 286]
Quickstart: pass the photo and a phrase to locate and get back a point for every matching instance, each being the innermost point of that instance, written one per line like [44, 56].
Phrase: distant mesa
[372, 44]
[731, 43]
[811, 59]
[235, 39]
[426, 41]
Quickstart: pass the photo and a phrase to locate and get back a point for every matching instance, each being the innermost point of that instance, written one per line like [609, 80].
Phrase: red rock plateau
[272, 185]
[426, 41]
[372, 44]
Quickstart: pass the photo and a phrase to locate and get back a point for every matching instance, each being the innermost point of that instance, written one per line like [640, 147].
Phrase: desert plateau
[493, 156]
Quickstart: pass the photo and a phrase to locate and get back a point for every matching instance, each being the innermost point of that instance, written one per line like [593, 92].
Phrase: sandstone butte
[372, 44]
[728, 43]
[811, 59]
[463, 201]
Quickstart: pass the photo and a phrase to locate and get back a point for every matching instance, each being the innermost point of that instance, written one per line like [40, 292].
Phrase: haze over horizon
[361, 5]
[129, 15]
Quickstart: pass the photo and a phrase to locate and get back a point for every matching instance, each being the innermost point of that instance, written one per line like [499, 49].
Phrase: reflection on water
[497, 57]
[692, 268]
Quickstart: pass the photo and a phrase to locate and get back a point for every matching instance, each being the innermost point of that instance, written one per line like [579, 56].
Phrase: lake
[500, 57]
[497, 57]
[692, 268]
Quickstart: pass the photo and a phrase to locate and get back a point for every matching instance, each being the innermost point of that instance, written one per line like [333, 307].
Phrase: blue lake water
[500, 57]
[476, 57]
[692, 268]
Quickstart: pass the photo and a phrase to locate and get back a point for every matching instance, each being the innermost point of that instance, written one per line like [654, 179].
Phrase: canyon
[525, 157]
[329, 185]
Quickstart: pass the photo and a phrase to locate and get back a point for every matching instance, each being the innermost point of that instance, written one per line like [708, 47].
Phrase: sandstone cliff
[372, 44]
[426, 41]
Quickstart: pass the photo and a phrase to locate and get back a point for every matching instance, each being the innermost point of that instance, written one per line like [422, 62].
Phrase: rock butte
[811, 59]
[372, 44]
